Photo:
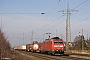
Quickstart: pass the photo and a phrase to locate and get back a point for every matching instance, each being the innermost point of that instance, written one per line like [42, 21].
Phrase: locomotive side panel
[47, 47]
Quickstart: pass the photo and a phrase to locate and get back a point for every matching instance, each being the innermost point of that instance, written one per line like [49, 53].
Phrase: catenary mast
[68, 27]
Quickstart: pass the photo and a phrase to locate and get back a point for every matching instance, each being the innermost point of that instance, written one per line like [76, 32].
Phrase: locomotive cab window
[58, 42]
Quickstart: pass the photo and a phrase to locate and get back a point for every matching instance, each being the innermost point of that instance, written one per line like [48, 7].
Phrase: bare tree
[88, 44]
[78, 43]
[4, 46]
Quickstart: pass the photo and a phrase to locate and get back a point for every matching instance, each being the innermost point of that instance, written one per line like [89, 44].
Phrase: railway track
[38, 56]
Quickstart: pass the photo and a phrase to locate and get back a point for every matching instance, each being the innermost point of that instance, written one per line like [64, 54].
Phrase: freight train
[51, 46]
[22, 47]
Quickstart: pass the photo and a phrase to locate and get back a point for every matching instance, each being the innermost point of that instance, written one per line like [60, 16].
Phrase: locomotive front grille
[58, 51]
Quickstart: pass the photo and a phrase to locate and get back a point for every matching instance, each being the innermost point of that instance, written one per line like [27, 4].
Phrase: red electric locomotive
[53, 46]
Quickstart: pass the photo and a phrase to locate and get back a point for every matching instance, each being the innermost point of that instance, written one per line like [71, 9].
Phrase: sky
[20, 18]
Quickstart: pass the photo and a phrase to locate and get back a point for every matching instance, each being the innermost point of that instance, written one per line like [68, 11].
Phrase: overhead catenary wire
[75, 23]
[71, 24]
[54, 19]
[58, 18]
[80, 21]
[80, 4]
[75, 12]
[51, 21]
[75, 8]
[23, 13]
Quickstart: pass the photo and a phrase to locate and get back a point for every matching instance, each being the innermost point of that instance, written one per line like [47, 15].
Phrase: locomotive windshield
[58, 42]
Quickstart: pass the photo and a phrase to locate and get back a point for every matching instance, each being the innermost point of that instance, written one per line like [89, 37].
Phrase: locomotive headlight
[55, 46]
[61, 46]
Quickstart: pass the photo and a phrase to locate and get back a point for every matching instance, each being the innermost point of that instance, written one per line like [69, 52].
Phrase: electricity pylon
[68, 28]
